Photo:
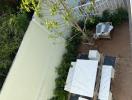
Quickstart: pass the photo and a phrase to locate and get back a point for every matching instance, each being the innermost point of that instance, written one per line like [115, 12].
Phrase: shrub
[12, 29]
[7, 7]
[63, 68]
[106, 16]
[90, 23]
[118, 16]
[3, 73]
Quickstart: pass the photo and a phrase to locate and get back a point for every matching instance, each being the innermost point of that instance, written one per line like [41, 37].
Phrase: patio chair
[103, 30]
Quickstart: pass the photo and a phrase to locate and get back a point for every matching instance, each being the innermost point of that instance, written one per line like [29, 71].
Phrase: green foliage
[62, 69]
[12, 29]
[11, 33]
[29, 5]
[3, 74]
[90, 22]
[106, 16]
[51, 24]
[116, 17]
[5, 8]
[119, 16]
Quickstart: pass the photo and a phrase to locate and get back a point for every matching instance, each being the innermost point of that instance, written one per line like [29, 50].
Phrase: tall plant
[61, 8]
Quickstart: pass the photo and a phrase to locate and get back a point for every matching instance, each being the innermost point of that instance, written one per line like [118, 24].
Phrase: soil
[118, 46]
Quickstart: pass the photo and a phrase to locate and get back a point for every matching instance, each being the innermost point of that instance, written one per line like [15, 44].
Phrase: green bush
[11, 33]
[7, 7]
[63, 68]
[90, 23]
[106, 16]
[3, 74]
[118, 16]
[12, 29]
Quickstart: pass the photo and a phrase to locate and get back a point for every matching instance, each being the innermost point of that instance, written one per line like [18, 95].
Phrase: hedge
[116, 17]
[62, 69]
[12, 28]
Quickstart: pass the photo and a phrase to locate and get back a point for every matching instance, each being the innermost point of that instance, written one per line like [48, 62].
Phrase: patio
[119, 46]
[85, 76]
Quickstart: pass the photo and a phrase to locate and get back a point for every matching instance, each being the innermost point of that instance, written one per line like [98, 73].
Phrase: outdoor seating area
[114, 52]
[78, 78]
[83, 77]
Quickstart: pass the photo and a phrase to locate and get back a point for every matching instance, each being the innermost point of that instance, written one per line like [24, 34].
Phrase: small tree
[63, 9]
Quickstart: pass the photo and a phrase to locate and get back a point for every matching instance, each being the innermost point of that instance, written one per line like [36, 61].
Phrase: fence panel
[99, 6]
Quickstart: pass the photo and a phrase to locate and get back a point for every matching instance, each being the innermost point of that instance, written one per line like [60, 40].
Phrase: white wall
[33, 72]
